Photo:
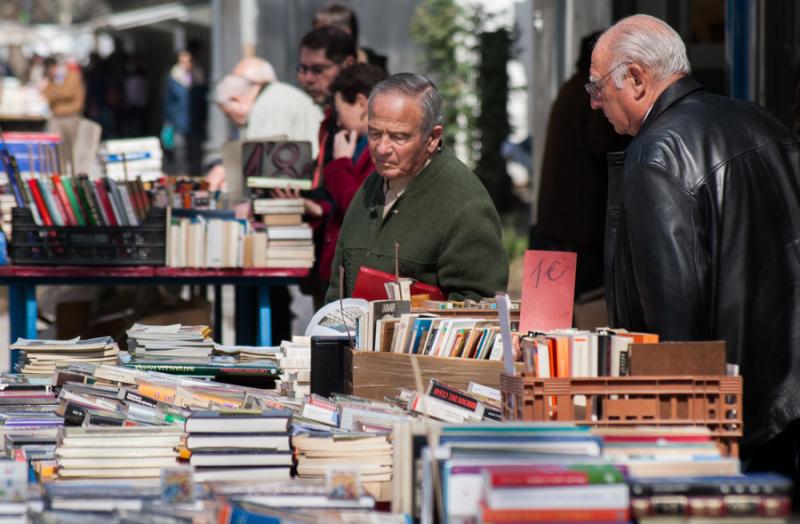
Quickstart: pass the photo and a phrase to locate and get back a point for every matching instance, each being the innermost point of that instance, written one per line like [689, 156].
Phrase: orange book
[499, 516]
[643, 338]
[157, 392]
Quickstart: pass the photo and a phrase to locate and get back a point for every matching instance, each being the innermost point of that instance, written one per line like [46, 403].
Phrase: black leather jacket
[703, 241]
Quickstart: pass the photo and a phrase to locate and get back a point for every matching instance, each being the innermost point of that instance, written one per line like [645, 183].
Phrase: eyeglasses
[314, 69]
[595, 87]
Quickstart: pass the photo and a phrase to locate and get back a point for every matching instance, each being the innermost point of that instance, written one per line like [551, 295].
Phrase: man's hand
[344, 144]
[215, 177]
[311, 208]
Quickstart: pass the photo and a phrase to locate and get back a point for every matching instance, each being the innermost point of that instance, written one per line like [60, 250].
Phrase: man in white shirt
[253, 98]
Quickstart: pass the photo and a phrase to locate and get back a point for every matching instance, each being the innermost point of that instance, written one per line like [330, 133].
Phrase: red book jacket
[342, 180]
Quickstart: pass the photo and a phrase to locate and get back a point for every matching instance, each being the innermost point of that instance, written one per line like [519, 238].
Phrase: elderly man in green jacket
[422, 198]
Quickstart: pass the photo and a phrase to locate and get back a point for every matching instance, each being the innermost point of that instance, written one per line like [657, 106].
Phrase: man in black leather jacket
[703, 224]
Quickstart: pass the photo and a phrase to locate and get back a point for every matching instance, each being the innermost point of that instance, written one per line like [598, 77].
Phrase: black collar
[676, 91]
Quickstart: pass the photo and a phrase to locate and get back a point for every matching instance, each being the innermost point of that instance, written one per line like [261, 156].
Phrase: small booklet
[278, 164]
[370, 285]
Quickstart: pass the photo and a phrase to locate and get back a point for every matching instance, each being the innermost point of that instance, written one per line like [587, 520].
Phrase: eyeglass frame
[594, 88]
[314, 69]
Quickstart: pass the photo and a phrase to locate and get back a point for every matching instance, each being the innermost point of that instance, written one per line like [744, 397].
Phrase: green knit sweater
[446, 225]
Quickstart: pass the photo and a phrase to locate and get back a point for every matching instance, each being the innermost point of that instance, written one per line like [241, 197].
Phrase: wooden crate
[378, 375]
[711, 401]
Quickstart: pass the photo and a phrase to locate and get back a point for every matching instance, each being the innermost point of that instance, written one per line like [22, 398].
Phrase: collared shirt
[394, 188]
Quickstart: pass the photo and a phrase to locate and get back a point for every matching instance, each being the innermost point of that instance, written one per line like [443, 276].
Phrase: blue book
[421, 328]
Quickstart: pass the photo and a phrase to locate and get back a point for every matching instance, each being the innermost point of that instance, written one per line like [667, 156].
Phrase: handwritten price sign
[548, 290]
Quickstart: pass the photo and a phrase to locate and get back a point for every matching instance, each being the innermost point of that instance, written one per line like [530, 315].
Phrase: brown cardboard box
[678, 358]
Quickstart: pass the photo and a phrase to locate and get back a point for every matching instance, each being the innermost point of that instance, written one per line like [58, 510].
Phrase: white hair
[258, 70]
[649, 42]
[230, 86]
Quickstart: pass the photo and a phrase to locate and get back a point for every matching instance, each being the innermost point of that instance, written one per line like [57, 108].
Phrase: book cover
[52, 203]
[370, 282]
[86, 196]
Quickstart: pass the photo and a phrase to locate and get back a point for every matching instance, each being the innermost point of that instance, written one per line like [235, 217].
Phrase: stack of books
[247, 445]
[41, 356]
[369, 454]
[126, 158]
[279, 211]
[116, 452]
[288, 240]
[294, 361]
[666, 451]
[173, 341]
[7, 203]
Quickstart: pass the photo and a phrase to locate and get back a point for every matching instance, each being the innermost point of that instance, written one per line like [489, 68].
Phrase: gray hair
[415, 86]
[649, 42]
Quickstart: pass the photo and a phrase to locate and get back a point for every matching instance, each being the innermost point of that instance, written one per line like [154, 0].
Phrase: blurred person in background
[255, 100]
[574, 185]
[344, 18]
[351, 163]
[184, 115]
[136, 99]
[324, 52]
[63, 87]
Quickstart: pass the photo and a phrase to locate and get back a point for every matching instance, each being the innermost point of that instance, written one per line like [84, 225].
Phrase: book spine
[95, 196]
[719, 506]
[61, 193]
[127, 204]
[455, 397]
[537, 478]
[14, 179]
[50, 202]
[73, 200]
[116, 202]
[39, 201]
[105, 201]
[28, 194]
[87, 186]
[84, 200]
[555, 515]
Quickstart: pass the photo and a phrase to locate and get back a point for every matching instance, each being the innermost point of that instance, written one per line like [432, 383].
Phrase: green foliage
[440, 27]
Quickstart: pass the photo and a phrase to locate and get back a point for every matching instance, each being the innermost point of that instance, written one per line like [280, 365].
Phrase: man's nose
[384, 146]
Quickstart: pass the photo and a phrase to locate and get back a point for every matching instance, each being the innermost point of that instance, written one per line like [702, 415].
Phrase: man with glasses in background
[703, 230]
[324, 52]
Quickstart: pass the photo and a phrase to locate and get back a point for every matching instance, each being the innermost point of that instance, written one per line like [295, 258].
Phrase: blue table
[22, 282]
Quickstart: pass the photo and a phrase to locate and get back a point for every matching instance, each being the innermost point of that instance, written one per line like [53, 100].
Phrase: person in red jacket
[351, 162]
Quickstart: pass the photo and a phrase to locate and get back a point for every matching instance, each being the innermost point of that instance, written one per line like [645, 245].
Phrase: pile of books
[279, 211]
[245, 445]
[173, 341]
[116, 452]
[124, 159]
[41, 356]
[666, 451]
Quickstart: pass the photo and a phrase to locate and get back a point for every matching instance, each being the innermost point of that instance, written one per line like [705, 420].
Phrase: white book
[214, 244]
[442, 410]
[542, 359]
[620, 346]
[127, 204]
[497, 348]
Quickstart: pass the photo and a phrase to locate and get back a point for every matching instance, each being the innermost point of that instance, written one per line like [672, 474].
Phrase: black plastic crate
[143, 245]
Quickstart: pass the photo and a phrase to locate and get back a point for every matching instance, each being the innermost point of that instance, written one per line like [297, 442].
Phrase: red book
[516, 516]
[61, 194]
[370, 286]
[40, 205]
[102, 193]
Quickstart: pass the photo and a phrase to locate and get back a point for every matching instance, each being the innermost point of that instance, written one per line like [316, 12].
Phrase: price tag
[548, 290]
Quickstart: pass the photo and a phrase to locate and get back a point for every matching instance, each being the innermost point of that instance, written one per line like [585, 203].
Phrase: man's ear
[639, 79]
[361, 101]
[435, 138]
[350, 60]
